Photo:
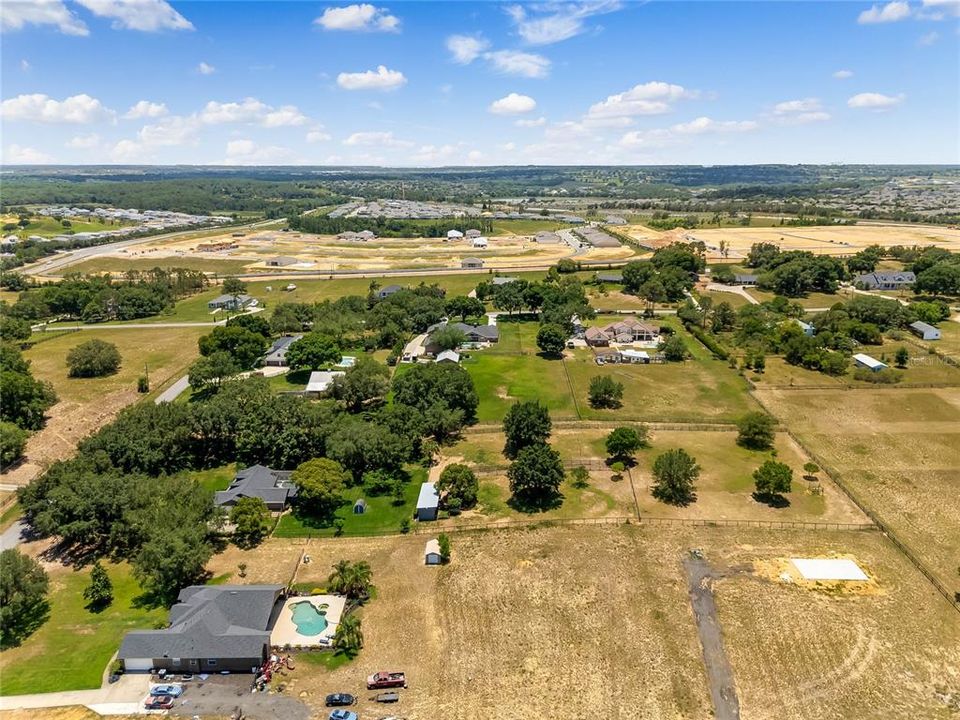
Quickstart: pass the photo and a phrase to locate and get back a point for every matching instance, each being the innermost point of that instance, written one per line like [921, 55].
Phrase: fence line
[651, 424]
[889, 533]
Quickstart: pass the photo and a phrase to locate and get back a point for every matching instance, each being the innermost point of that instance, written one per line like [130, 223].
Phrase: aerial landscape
[450, 361]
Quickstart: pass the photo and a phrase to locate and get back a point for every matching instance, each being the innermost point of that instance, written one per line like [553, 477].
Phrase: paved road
[71, 257]
[733, 289]
[723, 689]
[136, 326]
[173, 392]
[12, 536]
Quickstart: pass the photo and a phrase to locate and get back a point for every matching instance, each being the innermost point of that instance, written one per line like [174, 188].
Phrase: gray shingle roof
[225, 621]
[272, 486]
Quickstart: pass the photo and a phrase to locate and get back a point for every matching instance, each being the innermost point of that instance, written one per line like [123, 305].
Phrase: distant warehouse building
[282, 261]
[471, 263]
[924, 331]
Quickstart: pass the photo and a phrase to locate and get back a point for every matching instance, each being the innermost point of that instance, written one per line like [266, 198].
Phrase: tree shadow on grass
[16, 630]
[531, 506]
[676, 501]
[774, 500]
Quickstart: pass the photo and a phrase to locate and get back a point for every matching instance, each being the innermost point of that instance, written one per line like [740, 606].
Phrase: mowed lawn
[382, 515]
[164, 351]
[501, 380]
[72, 648]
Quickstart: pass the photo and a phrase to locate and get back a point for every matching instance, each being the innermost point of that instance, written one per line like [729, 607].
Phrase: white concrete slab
[828, 569]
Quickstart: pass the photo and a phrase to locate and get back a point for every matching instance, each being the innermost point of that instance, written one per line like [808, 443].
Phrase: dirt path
[723, 690]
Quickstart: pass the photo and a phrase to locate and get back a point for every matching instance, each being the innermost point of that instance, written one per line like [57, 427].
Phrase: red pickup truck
[382, 679]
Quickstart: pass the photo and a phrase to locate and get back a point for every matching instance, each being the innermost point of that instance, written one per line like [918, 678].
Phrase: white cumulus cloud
[145, 109]
[800, 112]
[19, 155]
[251, 110]
[513, 104]
[549, 23]
[206, 69]
[466, 48]
[843, 74]
[380, 79]
[525, 123]
[317, 134]
[875, 101]
[376, 139]
[363, 16]
[891, 12]
[143, 15]
[652, 98]
[170, 131]
[928, 39]
[83, 142]
[682, 132]
[516, 62]
[79, 109]
[285, 116]
[16, 14]
[247, 152]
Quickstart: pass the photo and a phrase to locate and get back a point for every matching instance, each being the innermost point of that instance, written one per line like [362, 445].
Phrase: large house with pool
[232, 627]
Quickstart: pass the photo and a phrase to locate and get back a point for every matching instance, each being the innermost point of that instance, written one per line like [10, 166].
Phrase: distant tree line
[98, 298]
[387, 227]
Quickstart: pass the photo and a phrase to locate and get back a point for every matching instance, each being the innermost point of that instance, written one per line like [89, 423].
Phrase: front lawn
[72, 649]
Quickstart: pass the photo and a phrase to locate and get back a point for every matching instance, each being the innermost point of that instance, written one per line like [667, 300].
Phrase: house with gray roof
[231, 302]
[271, 486]
[277, 355]
[281, 261]
[744, 279]
[212, 628]
[925, 331]
[885, 280]
[471, 263]
[471, 333]
[387, 291]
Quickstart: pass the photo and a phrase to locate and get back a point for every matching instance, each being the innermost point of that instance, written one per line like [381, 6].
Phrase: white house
[924, 331]
[872, 364]
[480, 242]
[431, 553]
[454, 235]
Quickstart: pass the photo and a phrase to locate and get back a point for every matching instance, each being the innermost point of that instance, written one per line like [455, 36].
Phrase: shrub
[881, 377]
[605, 392]
[93, 358]
[756, 431]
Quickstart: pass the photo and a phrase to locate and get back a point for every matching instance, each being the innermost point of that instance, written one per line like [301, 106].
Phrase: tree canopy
[93, 358]
[535, 476]
[525, 424]
[675, 474]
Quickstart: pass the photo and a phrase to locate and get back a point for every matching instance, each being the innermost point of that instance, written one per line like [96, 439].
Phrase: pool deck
[285, 632]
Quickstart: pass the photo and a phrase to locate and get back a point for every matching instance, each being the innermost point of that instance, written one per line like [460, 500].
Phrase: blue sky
[461, 83]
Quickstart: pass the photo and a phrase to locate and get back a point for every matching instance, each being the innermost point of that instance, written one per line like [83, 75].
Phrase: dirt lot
[897, 451]
[827, 240]
[327, 253]
[520, 625]
[595, 622]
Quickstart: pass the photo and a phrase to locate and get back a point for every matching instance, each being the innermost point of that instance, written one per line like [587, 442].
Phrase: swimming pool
[309, 619]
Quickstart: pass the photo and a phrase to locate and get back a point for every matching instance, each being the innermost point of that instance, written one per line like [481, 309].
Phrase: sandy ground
[327, 253]
[898, 452]
[583, 622]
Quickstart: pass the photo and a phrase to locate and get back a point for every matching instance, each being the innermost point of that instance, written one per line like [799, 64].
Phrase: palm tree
[348, 638]
[358, 581]
[340, 577]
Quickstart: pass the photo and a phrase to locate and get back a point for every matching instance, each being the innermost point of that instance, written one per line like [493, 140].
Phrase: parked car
[167, 690]
[387, 697]
[344, 715]
[340, 699]
[164, 702]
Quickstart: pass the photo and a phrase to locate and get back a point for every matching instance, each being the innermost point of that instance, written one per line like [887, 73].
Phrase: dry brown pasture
[897, 449]
[891, 651]
[590, 621]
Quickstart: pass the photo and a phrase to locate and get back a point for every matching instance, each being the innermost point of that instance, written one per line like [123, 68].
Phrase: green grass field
[49, 227]
[502, 380]
[213, 479]
[382, 516]
[71, 649]
[120, 265]
[812, 300]
[164, 351]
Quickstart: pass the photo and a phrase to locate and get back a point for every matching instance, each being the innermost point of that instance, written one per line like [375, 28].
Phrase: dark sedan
[340, 699]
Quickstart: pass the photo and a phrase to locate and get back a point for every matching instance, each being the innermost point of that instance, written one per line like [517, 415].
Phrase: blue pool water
[309, 620]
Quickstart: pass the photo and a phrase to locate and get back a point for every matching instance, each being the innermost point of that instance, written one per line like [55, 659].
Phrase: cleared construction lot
[897, 452]
[593, 621]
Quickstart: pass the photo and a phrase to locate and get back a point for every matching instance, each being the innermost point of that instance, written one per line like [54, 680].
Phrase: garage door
[138, 664]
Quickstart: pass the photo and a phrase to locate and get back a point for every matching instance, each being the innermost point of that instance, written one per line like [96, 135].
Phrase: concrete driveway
[129, 690]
